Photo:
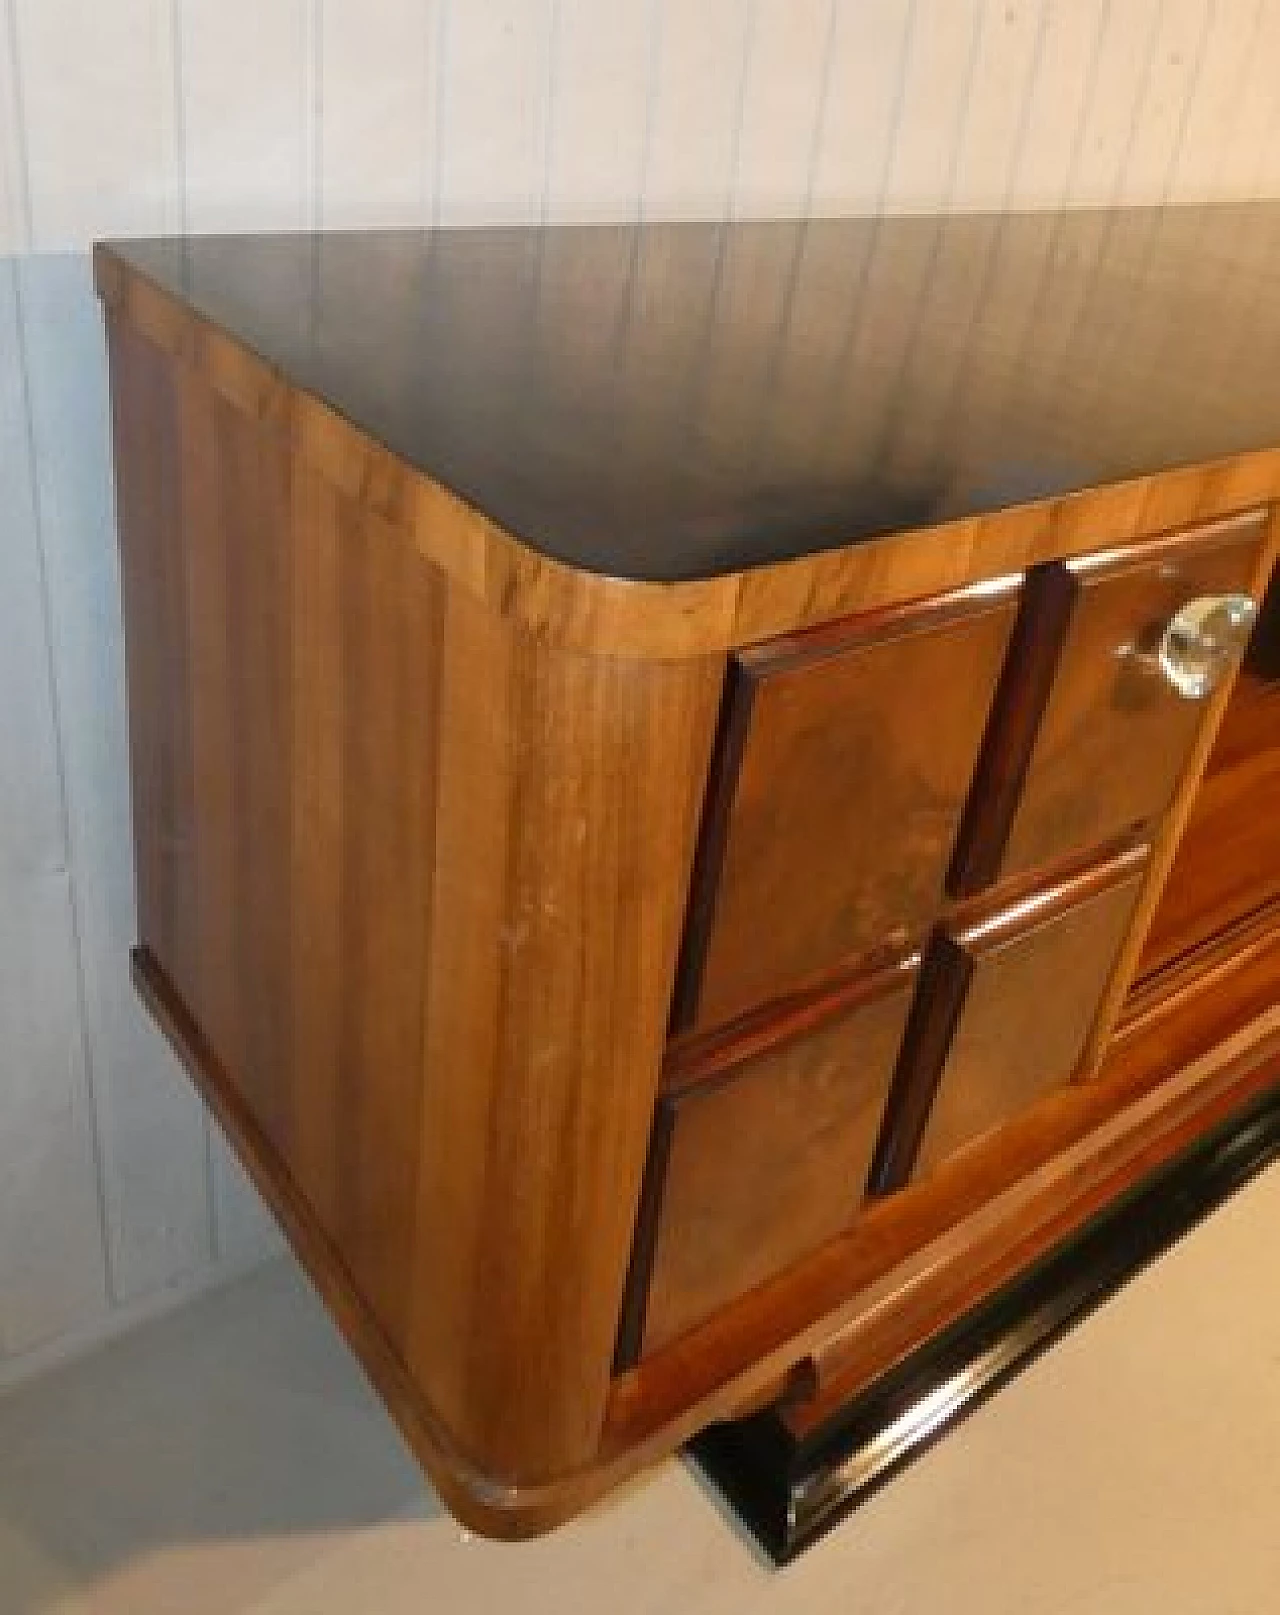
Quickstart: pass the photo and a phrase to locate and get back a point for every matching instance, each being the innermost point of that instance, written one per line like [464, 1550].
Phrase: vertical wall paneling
[495, 81]
[946, 38]
[1173, 76]
[1007, 51]
[860, 106]
[1250, 163]
[784, 97]
[1212, 106]
[99, 140]
[1117, 89]
[248, 98]
[137, 116]
[1059, 92]
[100, 134]
[377, 125]
[152, 1129]
[598, 117]
[12, 221]
[249, 152]
[52, 1273]
[700, 58]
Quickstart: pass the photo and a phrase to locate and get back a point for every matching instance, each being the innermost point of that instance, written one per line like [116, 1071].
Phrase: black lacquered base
[788, 1493]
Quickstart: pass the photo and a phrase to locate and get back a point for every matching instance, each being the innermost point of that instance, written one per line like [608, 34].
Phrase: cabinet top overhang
[678, 401]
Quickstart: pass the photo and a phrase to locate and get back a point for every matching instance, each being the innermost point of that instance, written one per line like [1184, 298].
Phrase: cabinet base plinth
[789, 1491]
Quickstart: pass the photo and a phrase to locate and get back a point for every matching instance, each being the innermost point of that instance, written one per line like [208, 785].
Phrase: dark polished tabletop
[673, 401]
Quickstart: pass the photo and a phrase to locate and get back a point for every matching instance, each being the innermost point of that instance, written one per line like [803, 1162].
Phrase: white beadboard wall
[141, 116]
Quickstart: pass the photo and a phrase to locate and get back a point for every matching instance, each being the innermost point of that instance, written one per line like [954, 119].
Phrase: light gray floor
[230, 1459]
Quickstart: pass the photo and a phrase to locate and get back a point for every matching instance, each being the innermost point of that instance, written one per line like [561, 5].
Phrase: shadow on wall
[112, 1197]
[241, 1418]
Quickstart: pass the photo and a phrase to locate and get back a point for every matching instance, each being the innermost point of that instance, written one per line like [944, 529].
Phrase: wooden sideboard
[696, 812]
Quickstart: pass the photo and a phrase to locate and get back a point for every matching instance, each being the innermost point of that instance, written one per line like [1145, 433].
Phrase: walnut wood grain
[884, 1338]
[1167, 1080]
[1228, 861]
[417, 787]
[1034, 977]
[1022, 695]
[1115, 737]
[153, 576]
[846, 761]
[567, 792]
[385, 838]
[1008, 994]
[761, 1149]
[1167, 839]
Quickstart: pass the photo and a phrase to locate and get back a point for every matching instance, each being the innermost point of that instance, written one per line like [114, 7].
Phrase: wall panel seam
[21, 157]
[92, 1107]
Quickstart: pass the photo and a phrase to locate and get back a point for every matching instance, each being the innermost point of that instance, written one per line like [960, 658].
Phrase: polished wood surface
[864, 1354]
[1115, 737]
[1009, 991]
[1167, 1080]
[1202, 258]
[761, 1148]
[843, 768]
[1168, 834]
[842, 379]
[437, 823]
[1033, 975]
[1022, 695]
[384, 839]
[1228, 861]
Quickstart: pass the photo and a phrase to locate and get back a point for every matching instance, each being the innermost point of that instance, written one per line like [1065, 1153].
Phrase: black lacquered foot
[788, 1492]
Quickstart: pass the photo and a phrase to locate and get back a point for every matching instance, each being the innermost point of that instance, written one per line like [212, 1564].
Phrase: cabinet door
[1005, 1004]
[760, 1153]
[1089, 737]
[845, 762]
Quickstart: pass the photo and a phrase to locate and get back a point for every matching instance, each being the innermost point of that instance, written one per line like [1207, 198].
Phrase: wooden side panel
[315, 638]
[153, 566]
[847, 760]
[762, 1149]
[418, 878]
[568, 790]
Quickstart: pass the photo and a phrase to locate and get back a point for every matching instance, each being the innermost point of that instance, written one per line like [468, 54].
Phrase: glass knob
[1203, 640]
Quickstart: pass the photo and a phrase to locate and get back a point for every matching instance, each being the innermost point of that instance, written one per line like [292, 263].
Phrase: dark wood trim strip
[722, 783]
[882, 626]
[1031, 664]
[969, 932]
[1160, 993]
[700, 1059]
[940, 996]
[635, 1293]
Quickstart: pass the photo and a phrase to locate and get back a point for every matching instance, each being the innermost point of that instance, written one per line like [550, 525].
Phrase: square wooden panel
[1088, 739]
[845, 761]
[760, 1152]
[1005, 1004]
